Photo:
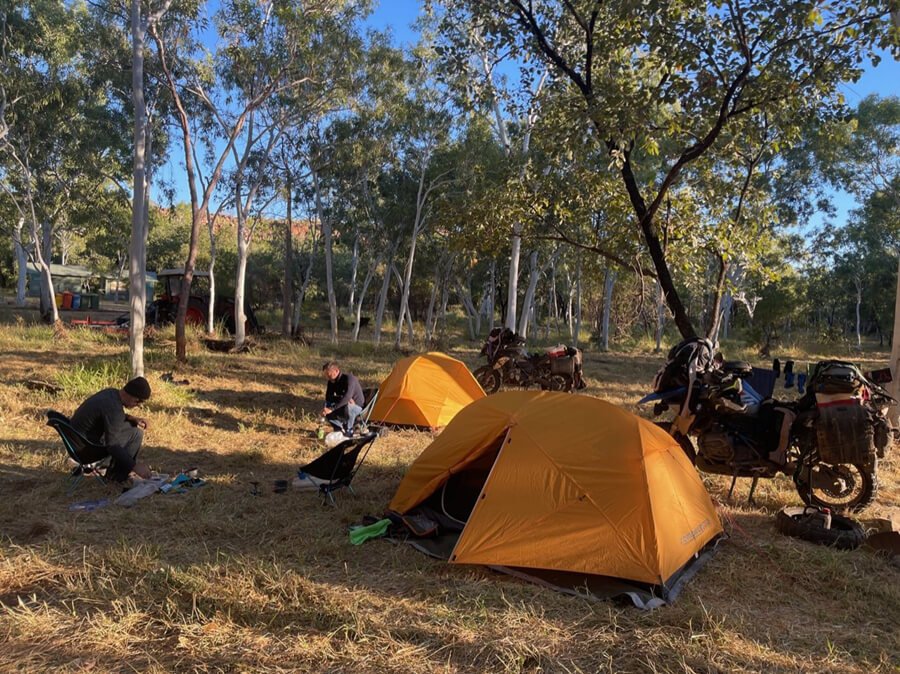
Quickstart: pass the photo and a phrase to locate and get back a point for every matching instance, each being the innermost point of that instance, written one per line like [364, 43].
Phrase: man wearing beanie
[103, 421]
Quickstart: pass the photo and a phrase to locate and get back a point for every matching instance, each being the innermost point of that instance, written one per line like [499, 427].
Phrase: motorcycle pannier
[844, 435]
[562, 365]
[835, 376]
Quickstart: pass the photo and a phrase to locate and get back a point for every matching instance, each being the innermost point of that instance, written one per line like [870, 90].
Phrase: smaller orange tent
[427, 389]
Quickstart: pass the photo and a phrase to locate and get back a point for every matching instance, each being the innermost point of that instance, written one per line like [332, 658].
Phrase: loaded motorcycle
[828, 441]
[556, 369]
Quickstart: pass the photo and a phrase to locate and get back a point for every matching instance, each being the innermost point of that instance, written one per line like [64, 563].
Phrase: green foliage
[85, 379]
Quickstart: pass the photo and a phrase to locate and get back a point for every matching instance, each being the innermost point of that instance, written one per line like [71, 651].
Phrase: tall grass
[86, 379]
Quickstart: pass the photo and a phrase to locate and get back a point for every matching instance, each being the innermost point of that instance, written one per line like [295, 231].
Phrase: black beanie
[139, 388]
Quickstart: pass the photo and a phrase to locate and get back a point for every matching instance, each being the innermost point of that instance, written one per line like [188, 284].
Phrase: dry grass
[221, 580]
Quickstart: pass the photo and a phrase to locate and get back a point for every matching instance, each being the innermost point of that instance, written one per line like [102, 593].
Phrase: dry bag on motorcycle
[836, 376]
[691, 355]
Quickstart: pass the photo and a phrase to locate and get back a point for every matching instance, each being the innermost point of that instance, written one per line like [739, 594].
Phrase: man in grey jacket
[343, 398]
[102, 420]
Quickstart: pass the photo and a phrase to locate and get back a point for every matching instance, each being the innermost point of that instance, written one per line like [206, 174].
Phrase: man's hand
[137, 421]
[326, 411]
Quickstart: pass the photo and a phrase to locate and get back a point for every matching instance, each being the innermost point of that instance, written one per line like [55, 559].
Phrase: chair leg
[350, 488]
[74, 481]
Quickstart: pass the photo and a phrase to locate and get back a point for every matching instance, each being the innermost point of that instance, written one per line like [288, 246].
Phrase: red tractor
[163, 309]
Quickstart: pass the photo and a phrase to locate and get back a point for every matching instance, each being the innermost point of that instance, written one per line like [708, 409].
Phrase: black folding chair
[89, 457]
[336, 468]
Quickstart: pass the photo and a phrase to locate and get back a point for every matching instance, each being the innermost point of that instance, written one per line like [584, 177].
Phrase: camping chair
[336, 468]
[89, 457]
[371, 395]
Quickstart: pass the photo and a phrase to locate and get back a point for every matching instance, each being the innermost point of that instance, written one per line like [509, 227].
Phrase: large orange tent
[427, 389]
[563, 488]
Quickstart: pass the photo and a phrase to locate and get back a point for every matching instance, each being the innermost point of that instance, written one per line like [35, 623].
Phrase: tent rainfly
[564, 490]
[427, 389]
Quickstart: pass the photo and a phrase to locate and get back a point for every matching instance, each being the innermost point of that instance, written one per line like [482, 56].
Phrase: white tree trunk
[327, 238]
[407, 279]
[895, 352]
[554, 301]
[577, 334]
[465, 296]
[660, 316]
[533, 276]
[492, 295]
[21, 262]
[240, 318]
[432, 302]
[213, 253]
[608, 285]
[301, 292]
[370, 273]
[513, 281]
[382, 295]
[288, 281]
[354, 266]
[727, 309]
[858, 283]
[137, 276]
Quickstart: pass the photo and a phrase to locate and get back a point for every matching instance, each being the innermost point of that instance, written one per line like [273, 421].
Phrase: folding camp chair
[336, 468]
[371, 395]
[89, 457]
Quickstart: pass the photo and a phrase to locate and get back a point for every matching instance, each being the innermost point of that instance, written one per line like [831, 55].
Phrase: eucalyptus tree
[682, 73]
[312, 48]
[428, 165]
[271, 71]
[58, 143]
[503, 86]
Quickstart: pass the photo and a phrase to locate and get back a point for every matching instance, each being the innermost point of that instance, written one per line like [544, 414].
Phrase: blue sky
[399, 15]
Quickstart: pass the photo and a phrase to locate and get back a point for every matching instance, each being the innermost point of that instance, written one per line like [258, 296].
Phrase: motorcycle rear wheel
[862, 486]
[556, 382]
[488, 378]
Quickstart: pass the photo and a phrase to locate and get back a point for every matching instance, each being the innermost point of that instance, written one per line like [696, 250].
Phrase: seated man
[102, 420]
[343, 398]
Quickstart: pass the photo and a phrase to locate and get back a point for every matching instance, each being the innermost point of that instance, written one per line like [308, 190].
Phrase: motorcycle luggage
[835, 376]
[556, 351]
[844, 434]
[691, 354]
[562, 365]
[738, 368]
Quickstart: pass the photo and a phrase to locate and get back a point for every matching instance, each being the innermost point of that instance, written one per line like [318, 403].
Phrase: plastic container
[95, 301]
[76, 302]
[67, 300]
[59, 299]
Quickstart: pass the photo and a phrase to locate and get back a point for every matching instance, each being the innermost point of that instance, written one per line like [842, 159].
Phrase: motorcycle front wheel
[488, 378]
[840, 487]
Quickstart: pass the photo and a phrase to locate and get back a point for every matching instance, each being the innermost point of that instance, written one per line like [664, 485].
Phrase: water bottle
[320, 433]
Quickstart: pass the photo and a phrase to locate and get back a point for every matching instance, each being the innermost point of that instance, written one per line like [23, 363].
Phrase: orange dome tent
[566, 489]
[425, 390]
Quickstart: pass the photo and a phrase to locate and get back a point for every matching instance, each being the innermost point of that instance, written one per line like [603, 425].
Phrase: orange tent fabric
[578, 485]
[425, 390]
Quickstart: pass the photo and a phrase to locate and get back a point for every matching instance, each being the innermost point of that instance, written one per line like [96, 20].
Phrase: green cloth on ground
[360, 534]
